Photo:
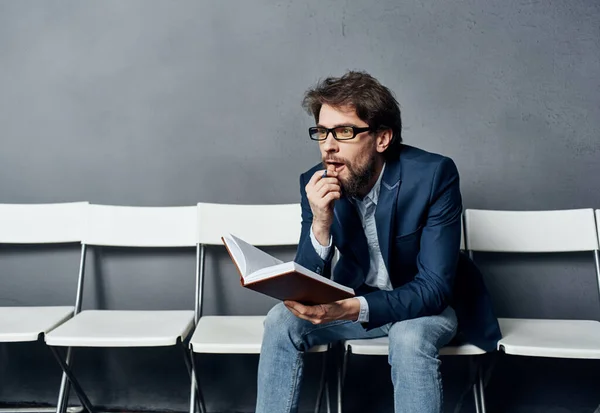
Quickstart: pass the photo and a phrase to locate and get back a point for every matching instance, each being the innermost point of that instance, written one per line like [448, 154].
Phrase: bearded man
[394, 214]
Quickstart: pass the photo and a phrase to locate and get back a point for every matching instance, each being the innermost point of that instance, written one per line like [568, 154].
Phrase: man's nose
[330, 144]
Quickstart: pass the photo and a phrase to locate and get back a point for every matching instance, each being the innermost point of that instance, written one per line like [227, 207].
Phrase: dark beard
[359, 178]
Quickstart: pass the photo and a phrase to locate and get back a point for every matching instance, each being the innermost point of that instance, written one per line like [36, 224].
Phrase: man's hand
[347, 309]
[322, 191]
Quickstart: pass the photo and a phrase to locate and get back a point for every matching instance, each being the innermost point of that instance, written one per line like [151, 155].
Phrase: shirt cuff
[363, 315]
[322, 251]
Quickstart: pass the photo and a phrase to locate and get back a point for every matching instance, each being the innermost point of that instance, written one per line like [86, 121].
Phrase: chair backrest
[531, 231]
[261, 225]
[125, 226]
[42, 223]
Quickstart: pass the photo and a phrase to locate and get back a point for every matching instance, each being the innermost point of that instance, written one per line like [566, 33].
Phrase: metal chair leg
[327, 398]
[322, 383]
[481, 388]
[476, 398]
[474, 376]
[196, 393]
[65, 386]
[78, 390]
[194, 403]
[341, 370]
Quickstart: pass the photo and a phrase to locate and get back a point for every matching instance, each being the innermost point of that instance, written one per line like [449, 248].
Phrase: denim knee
[283, 326]
[408, 343]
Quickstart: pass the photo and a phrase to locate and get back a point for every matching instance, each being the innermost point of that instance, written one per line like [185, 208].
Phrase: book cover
[266, 274]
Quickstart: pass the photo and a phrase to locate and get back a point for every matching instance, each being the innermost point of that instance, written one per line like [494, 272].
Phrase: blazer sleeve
[306, 254]
[430, 292]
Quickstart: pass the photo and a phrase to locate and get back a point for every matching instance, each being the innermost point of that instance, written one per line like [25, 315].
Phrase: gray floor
[155, 383]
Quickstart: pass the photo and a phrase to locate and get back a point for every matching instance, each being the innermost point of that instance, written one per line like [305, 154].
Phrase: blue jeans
[413, 357]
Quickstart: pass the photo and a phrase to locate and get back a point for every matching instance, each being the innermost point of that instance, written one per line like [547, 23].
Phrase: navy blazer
[418, 218]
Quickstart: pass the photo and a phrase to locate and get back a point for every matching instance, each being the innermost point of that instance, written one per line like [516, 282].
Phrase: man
[394, 213]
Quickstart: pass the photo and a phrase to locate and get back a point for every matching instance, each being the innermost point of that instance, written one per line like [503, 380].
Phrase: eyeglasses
[340, 133]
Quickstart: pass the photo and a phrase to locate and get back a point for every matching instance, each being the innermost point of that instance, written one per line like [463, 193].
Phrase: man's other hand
[322, 190]
[347, 309]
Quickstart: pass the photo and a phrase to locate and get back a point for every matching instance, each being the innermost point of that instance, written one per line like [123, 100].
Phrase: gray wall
[175, 102]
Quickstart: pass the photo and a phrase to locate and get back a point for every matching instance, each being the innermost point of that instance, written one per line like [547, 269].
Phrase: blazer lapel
[385, 212]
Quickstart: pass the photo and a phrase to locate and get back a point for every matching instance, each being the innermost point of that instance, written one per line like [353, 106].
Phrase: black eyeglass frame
[355, 131]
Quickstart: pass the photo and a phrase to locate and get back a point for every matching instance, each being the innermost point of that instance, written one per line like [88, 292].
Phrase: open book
[266, 274]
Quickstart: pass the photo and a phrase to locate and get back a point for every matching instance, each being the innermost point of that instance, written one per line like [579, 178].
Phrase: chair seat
[109, 328]
[20, 324]
[231, 335]
[380, 347]
[574, 339]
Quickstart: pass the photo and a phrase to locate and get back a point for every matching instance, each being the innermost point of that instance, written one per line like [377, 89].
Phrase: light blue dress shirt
[378, 276]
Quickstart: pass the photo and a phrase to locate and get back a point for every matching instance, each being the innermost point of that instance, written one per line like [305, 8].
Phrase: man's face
[355, 160]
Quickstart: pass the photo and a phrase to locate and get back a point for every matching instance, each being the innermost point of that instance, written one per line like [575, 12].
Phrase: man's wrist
[321, 233]
[322, 251]
[351, 309]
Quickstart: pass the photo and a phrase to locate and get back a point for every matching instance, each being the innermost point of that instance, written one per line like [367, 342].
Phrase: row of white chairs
[262, 225]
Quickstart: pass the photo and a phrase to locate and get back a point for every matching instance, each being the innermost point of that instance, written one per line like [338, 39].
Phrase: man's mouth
[337, 165]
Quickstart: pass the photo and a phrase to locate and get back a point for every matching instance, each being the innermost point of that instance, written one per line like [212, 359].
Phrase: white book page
[269, 272]
[253, 259]
[236, 253]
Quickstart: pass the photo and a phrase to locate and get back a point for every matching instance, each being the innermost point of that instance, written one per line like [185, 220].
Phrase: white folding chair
[137, 227]
[540, 232]
[259, 225]
[380, 347]
[37, 224]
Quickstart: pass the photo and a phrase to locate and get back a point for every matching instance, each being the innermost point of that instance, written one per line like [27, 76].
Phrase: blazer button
[318, 271]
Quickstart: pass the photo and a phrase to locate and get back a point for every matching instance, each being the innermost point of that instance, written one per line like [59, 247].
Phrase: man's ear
[383, 140]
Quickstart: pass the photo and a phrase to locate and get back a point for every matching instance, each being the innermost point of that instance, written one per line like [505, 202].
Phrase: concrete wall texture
[173, 102]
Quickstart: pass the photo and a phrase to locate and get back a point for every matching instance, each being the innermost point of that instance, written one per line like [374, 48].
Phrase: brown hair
[374, 103]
